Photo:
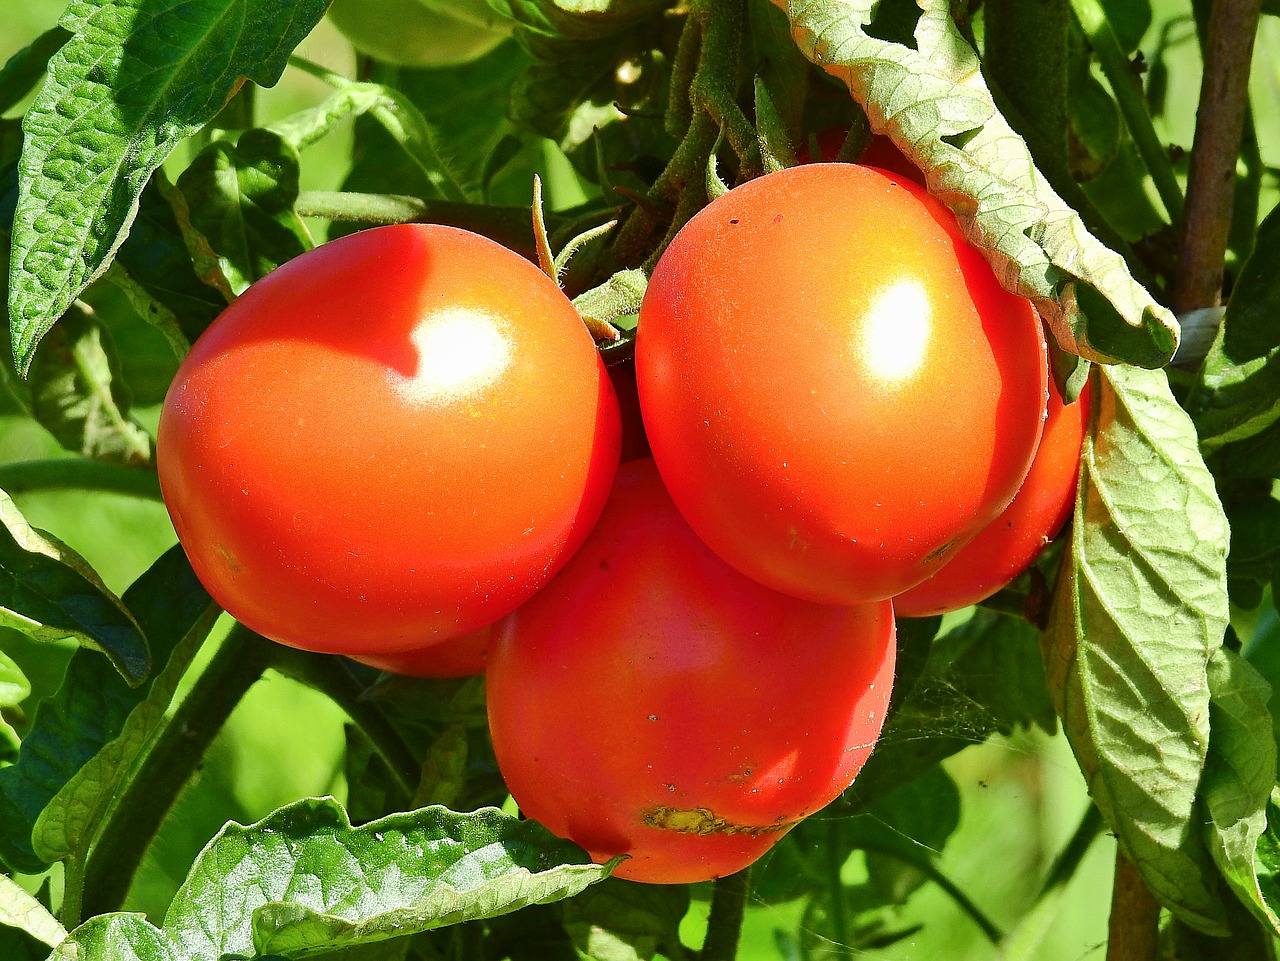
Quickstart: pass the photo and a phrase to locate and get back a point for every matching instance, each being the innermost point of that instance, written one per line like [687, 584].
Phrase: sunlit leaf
[933, 103]
[319, 884]
[1139, 609]
[136, 78]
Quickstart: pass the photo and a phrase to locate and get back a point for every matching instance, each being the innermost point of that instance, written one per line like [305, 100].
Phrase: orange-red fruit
[456, 657]
[389, 441]
[1007, 546]
[652, 701]
[836, 389]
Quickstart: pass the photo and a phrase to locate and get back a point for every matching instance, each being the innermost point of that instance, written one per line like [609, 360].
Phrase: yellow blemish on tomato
[702, 821]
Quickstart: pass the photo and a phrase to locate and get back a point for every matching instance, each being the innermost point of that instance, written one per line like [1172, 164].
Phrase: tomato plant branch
[1134, 927]
[79, 473]
[1224, 98]
[328, 675]
[724, 926]
[1128, 93]
[835, 889]
[175, 754]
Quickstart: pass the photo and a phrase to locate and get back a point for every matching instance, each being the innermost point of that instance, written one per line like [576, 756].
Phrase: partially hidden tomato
[835, 387]
[652, 701]
[1007, 546]
[389, 441]
[456, 657]
[420, 33]
[879, 153]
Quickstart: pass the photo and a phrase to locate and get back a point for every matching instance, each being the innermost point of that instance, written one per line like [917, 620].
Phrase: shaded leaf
[154, 267]
[619, 920]
[75, 391]
[318, 884]
[14, 686]
[240, 199]
[26, 68]
[90, 708]
[137, 77]
[50, 593]
[1140, 608]
[177, 614]
[932, 102]
[1240, 774]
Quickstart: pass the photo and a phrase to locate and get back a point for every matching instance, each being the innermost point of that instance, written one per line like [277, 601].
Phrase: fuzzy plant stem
[1133, 930]
[1224, 100]
[79, 473]
[724, 926]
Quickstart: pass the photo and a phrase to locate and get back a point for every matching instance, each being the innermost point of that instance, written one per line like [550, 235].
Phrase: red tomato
[836, 389]
[880, 153]
[456, 657]
[1007, 546]
[652, 701]
[389, 441]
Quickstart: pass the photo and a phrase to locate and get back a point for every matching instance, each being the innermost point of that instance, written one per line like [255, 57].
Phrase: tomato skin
[389, 441]
[1008, 545]
[456, 657]
[836, 389]
[650, 686]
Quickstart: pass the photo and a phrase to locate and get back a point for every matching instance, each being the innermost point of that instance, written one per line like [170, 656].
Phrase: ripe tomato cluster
[403, 447]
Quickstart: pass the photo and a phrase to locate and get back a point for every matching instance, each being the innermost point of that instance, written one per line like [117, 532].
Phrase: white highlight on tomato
[895, 335]
[459, 352]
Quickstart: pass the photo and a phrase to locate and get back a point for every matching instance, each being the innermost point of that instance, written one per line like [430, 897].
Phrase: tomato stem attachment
[724, 926]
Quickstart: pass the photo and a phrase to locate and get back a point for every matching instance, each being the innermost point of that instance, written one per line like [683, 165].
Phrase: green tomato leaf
[118, 937]
[444, 770]
[137, 77]
[155, 269]
[619, 920]
[318, 884]
[1239, 776]
[50, 593]
[90, 708]
[933, 104]
[1237, 395]
[18, 909]
[1139, 609]
[178, 615]
[240, 198]
[74, 390]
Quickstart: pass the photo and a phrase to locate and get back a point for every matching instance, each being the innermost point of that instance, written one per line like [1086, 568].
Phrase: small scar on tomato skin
[232, 562]
[937, 555]
[777, 218]
[733, 220]
[703, 821]
[604, 565]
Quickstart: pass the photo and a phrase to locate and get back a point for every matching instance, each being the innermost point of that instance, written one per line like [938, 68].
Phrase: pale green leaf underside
[18, 909]
[137, 77]
[1037, 245]
[1141, 607]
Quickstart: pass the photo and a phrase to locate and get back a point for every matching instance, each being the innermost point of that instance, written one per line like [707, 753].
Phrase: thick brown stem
[1224, 95]
[1134, 928]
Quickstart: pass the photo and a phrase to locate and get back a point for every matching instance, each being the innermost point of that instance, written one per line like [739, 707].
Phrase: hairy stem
[174, 756]
[1134, 926]
[1224, 97]
[724, 926]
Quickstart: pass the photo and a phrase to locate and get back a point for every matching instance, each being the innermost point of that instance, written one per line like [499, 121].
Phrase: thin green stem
[835, 888]
[1128, 94]
[328, 675]
[1068, 860]
[724, 926]
[175, 754]
[79, 473]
